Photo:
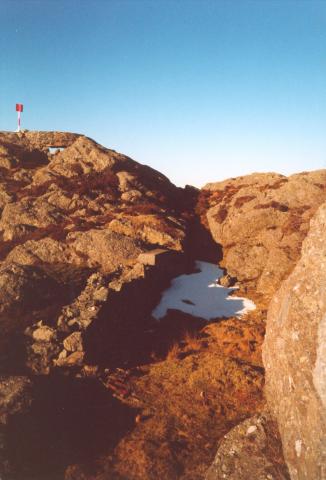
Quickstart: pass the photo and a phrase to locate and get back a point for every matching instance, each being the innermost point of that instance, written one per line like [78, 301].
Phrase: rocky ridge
[89, 240]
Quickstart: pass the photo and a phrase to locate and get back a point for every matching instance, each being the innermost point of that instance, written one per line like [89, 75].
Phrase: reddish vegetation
[221, 214]
[242, 200]
[87, 184]
[276, 205]
[273, 186]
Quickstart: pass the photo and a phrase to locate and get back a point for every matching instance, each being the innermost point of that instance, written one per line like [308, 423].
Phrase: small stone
[72, 322]
[73, 360]
[74, 342]
[43, 334]
[251, 430]
[138, 418]
[90, 370]
[298, 447]
[101, 295]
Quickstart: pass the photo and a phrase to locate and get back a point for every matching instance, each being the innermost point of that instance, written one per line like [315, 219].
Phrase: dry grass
[192, 340]
[174, 352]
[192, 401]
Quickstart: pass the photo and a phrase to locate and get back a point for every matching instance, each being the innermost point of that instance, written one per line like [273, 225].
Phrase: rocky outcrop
[89, 239]
[260, 220]
[65, 216]
[39, 140]
[295, 358]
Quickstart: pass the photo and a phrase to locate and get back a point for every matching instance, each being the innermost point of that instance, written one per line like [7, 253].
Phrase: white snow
[53, 150]
[199, 295]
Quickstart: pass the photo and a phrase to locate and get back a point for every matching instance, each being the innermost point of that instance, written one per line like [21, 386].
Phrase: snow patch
[200, 295]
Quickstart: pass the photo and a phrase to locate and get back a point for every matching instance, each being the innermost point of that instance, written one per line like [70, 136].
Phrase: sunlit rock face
[261, 220]
[294, 355]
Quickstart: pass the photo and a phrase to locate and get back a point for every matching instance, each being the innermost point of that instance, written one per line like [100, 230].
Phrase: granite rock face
[294, 355]
[260, 220]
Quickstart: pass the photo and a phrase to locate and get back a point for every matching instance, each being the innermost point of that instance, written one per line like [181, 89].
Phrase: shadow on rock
[70, 421]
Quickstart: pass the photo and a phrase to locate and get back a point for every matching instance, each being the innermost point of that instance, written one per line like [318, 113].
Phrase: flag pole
[18, 129]
[19, 109]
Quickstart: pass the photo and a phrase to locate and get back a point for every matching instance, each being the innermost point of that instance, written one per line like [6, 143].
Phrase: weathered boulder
[294, 355]
[151, 229]
[22, 289]
[250, 451]
[105, 249]
[23, 217]
[26, 294]
[260, 220]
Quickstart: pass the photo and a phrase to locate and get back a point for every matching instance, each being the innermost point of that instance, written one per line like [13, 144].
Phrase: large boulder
[294, 355]
[250, 451]
[22, 290]
[260, 220]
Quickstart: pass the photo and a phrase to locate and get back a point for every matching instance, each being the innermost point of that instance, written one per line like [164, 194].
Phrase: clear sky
[199, 90]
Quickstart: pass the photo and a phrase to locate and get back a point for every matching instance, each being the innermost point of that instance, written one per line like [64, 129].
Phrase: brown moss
[295, 221]
[221, 215]
[91, 184]
[242, 200]
[274, 186]
[322, 186]
[54, 231]
[141, 209]
[281, 207]
[202, 206]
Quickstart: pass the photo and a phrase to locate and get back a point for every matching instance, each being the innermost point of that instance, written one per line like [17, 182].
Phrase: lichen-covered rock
[22, 217]
[22, 289]
[295, 358]
[105, 248]
[250, 451]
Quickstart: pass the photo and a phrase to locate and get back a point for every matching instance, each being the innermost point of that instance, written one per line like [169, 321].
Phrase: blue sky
[199, 90]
